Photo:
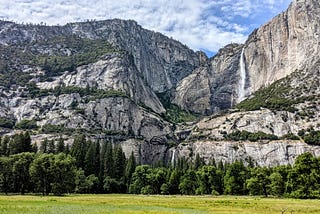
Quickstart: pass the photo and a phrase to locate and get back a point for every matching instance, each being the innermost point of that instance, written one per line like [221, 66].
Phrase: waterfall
[173, 158]
[242, 82]
[167, 78]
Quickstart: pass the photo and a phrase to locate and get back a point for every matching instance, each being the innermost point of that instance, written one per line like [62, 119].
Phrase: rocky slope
[213, 86]
[112, 72]
[274, 153]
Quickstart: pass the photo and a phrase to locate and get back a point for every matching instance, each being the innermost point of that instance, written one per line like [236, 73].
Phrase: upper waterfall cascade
[243, 76]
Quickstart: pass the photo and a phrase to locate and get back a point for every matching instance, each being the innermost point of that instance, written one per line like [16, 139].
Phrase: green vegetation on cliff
[280, 96]
[245, 135]
[55, 56]
[174, 113]
[73, 52]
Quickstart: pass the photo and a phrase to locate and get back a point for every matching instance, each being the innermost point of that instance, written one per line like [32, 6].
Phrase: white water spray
[243, 76]
[173, 157]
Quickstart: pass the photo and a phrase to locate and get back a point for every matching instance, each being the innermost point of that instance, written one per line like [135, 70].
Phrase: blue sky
[201, 24]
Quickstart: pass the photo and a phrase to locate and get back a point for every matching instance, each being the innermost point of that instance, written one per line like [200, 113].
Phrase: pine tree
[119, 163]
[97, 155]
[5, 146]
[102, 162]
[51, 147]
[108, 161]
[90, 159]
[130, 167]
[34, 148]
[101, 166]
[67, 149]
[15, 145]
[26, 142]
[60, 145]
[198, 162]
[79, 150]
[44, 146]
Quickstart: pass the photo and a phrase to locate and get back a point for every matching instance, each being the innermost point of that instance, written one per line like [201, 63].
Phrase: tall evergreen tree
[20, 143]
[5, 146]
[51, 147]
[102, 163]
[34, 148]
[67, 149]
[26, 142]
[188, 184]
[90, 159]
[98, 160]
[119, 163]
[79, 150]
[44, 146]
[16, 144]
[108, 161]
[60, 145]
[130, 167]
[199, 162]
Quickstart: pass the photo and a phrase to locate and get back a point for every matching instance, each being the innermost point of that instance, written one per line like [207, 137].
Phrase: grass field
[76, 204]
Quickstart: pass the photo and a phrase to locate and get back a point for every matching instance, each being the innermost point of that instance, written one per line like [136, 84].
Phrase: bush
[6, 123]
[313, 138]
[245, 135]
[290, 136]
[26, 124]
[49, 128]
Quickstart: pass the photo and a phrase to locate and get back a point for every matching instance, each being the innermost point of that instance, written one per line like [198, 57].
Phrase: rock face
[212, 86]
[162, 61]
[278, 123]
[115, 71]
[267, 154]
[287, 43]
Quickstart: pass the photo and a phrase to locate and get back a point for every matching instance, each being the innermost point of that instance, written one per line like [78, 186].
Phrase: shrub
[6, 123]
[26, 124]
[245, 135]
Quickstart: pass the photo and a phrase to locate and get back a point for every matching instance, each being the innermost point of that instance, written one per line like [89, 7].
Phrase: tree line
[101, 167]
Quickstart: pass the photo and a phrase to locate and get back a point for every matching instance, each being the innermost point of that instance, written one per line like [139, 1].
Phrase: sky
[205, 25]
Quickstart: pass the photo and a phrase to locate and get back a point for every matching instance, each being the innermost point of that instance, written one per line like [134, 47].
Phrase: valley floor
[153, 204]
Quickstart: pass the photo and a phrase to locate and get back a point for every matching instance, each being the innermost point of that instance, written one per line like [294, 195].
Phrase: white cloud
[201, 24]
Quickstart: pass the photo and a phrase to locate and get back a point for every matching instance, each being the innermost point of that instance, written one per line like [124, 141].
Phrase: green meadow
[76, 204]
